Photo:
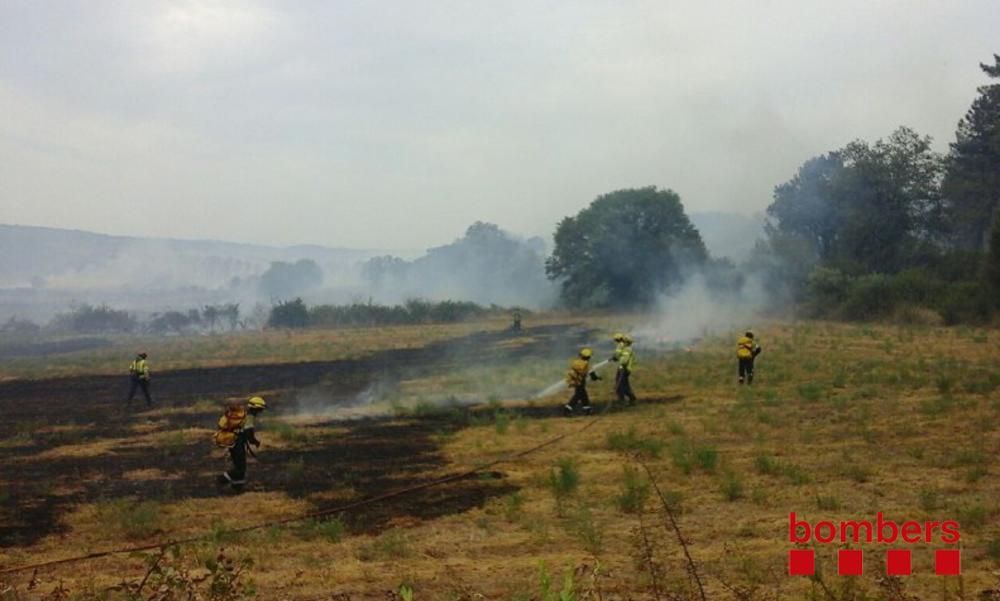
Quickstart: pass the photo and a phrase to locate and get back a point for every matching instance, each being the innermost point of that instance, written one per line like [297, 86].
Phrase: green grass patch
[635, 491]
[390, 545]
[631, 441]
[133, 520]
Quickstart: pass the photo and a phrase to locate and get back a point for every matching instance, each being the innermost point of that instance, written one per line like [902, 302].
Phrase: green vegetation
[594, 267]
[564, 479]
[133, 520]
[635, 491]
[631, 441]
[388, 546]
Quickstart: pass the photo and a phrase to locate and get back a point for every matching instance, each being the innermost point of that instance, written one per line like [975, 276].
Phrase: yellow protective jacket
[140, 369]
[577, 374]
[744, 347]
[626, 360]
[618, 351]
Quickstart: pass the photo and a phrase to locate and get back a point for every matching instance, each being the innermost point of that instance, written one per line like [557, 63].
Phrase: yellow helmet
[626, 339]
[618, 337]
[256, 403]
[586, 353]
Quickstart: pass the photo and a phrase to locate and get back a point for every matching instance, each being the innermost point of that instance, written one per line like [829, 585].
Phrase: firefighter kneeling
[236, 432]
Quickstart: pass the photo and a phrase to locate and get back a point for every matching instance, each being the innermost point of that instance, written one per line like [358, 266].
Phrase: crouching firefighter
[236, 432]
[626, 363]
[746, 351]
[576, 377]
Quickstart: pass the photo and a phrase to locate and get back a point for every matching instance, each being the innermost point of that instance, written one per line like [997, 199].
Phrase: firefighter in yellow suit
[626, 363]
[138, 377]
[746, 351]
[576, 378]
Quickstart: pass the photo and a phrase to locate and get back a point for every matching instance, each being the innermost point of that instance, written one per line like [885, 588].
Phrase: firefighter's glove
[594, 376]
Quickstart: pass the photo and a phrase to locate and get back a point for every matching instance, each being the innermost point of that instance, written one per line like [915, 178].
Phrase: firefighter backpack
[229, 425]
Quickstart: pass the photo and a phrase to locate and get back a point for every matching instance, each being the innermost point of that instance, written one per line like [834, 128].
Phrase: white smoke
[696, 311]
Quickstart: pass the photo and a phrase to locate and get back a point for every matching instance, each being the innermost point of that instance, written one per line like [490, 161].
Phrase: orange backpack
[230, 424]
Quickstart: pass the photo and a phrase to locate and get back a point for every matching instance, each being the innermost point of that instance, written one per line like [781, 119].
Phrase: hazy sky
[397, 124]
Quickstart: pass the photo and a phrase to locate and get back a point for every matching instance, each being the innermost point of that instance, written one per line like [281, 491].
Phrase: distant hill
[729, 235]
[43, 257]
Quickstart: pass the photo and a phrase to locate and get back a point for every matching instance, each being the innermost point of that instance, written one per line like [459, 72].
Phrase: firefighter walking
[237, 431]
[138, 377]
[746, 351]
[576, 378]
[625, 357]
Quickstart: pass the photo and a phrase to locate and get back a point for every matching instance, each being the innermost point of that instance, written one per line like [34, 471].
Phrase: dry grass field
[842, 422]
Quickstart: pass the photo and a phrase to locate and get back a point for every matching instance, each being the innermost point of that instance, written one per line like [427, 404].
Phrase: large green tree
[972, 184]
[624, 249]
[867, 207]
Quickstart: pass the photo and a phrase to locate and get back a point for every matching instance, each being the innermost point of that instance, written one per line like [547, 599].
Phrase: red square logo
[801, 562]
[898, 562]
[850, 562]
[947, 562]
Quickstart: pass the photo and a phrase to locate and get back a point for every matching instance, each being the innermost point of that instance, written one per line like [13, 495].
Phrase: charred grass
[838, 425]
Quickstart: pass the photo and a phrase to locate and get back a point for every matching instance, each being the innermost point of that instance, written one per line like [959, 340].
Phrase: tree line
[860, 232]
[296, 314]
[863, 231]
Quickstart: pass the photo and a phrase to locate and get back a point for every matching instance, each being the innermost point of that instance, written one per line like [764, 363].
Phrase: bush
[87, 319]
[133, 520]
[564, 479]
[635, 491]
[289, 314]
[916, 296]
[870, 297]
[414, 311]
[732, 487]
[630, 440]
[391, 545]
[965, 302]
[587, 529]
[331, 530]
[810, 391]
[707, 457]
[827, 289]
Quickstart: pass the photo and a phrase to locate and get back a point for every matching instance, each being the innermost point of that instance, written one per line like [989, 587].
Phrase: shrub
[795, 474]
[512, 506]
[870, 297]
[930, 499]
[391, 545]
[810, 391]
[587, 529]
[132, 520]
[331, 530]
[767, 465]
[732, 487]
[88, 319]
[707, 457]
[564, 479]
[635, 491]
[630, 440]
[289, 314]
